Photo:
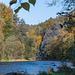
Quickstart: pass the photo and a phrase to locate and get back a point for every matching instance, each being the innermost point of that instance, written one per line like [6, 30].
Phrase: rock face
[49, 38]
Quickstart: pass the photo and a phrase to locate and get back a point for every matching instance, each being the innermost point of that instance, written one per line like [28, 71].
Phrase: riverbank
[15, 60]
[24, 60]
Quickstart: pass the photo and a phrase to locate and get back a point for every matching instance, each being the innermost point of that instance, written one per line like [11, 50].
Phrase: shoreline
[17, 60]
[24, 60]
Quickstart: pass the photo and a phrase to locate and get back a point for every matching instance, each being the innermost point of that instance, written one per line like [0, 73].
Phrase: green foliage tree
[15, 19]
[30, 44]
[7, 28]
[38, 31]
[21, 22]
[25, 5]
[14, 49]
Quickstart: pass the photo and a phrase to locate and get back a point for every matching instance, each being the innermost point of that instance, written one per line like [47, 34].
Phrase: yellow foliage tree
[8, 13]
[38, 40]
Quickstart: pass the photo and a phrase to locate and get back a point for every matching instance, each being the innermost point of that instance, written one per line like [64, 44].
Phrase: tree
[2, 8]
[30, 50]
[2, 23]
[15, 19]
[7, 17]
[25, 5]
[21, 22]
[67, 4]
[13, 48]
[8, 28]
[68, 11]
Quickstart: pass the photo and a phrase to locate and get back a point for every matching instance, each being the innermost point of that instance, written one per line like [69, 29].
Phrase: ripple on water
[30, 67]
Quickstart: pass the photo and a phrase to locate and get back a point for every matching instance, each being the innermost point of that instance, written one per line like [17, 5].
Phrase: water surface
[31, 67]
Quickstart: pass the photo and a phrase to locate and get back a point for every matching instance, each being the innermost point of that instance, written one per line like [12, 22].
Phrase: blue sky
[38, 13]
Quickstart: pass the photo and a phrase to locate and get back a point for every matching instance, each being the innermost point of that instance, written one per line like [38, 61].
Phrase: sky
[38, 13]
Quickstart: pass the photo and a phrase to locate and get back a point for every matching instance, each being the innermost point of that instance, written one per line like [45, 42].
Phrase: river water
[30, 67]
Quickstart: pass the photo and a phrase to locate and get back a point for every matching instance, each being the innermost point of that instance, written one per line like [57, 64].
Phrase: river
[30, 67]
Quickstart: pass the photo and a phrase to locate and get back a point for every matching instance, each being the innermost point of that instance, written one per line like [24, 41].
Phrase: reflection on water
[30, 67]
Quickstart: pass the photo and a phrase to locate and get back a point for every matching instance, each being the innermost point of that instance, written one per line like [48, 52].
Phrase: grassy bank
[14, 60]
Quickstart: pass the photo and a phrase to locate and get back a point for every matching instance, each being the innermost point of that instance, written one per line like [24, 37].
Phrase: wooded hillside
[51, 40]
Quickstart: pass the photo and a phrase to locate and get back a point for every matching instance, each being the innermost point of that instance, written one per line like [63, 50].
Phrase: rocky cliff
[49, 38]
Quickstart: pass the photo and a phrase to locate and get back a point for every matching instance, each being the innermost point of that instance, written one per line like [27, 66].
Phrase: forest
[50, 40]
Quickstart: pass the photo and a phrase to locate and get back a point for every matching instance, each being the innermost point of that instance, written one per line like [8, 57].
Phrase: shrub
[42, 73]
[67, 70]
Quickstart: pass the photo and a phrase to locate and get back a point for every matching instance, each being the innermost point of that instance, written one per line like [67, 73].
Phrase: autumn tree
[2, 8]
[2, 23]
[8, 28]
[13, 48]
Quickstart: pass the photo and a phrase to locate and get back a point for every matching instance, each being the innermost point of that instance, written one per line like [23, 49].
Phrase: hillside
[46, 41]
